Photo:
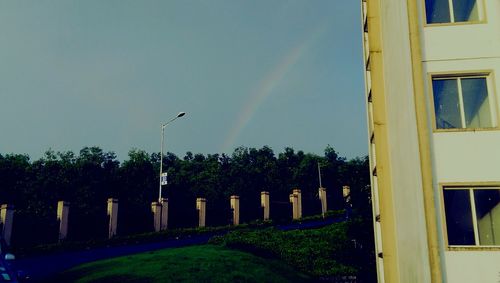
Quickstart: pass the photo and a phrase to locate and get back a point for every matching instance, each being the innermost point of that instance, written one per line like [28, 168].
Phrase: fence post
[62, 218]
[264, 203]
[112, 216]
[7, 217]
[164, 214]
[235, 207]
[298, 193]
[156, 209]
[201, 204]
[346, 193]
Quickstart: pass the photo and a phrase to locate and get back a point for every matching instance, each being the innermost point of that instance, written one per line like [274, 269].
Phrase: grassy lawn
[206, 263]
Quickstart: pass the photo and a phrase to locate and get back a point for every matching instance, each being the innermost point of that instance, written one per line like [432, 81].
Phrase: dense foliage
[319, 252]
[86, 180]
[330, 253]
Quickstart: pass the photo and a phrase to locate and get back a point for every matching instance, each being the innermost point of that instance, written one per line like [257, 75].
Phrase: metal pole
[161, 158]
[319, 173]
[161, 150]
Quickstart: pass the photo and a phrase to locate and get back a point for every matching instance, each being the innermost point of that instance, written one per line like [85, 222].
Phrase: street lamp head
[180, 114]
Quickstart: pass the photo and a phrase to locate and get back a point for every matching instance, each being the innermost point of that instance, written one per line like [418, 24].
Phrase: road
[40, 268]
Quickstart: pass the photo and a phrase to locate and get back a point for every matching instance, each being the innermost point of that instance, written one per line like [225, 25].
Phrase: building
[433, 108]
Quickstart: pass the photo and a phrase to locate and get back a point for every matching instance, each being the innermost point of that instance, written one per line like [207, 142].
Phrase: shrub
[321, 252]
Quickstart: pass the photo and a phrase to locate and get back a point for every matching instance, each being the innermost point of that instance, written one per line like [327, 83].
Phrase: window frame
[492, 97]
[470, 187]
[481, 10]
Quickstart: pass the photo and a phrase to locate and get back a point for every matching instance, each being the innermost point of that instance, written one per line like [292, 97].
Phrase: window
[472, 216]
[462, 102]
[452, 11]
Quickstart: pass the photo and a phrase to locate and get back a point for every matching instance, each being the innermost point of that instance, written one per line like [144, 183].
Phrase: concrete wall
[472, 266]
[451, 42]
[400, 230]
[465, 156]
[412, 250]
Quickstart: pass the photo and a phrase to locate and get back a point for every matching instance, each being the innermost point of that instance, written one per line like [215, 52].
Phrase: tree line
[89, 178]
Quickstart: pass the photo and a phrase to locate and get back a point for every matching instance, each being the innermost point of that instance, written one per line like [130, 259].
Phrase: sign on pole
[164, 179]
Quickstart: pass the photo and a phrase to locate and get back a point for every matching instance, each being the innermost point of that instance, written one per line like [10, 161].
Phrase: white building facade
[433, 108]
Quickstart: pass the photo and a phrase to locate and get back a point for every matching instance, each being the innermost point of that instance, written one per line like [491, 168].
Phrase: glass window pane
[476, 103]
[458, 217]
[446, 105]
[488, 215]
[465, 10]
[437, 11]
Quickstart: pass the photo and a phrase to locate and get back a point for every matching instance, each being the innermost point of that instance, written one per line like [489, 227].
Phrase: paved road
[42, 267]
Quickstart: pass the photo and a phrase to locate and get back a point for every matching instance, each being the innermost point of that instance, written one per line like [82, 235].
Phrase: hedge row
[327, 251]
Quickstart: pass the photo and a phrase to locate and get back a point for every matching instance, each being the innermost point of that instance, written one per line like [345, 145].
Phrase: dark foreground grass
[206, 263]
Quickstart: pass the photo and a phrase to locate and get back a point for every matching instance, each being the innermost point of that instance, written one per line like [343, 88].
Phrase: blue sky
[252, 73]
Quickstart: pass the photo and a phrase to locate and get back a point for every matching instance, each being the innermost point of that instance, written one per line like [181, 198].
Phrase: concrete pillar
[6, 218]
[156, 209]
[346, 192]
[201, 206]
[62, 218]
[294, 201]
[164, 214]
[264, 203]
[299, 202]
[112, 216]
[235, 207]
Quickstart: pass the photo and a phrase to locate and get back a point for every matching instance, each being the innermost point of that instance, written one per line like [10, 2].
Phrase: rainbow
[266, 86]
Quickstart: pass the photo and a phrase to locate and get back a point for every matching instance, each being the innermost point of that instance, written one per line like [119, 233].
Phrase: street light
[161, 150]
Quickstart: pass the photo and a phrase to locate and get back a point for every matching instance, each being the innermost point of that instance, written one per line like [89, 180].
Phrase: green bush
[320, 252]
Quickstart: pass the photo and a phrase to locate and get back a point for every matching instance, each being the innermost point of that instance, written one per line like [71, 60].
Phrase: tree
[88, 179]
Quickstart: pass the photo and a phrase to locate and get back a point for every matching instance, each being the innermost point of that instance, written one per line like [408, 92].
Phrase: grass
[205, 263]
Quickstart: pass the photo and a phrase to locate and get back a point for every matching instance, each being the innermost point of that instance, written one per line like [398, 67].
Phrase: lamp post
[161, 150]
[319, 175]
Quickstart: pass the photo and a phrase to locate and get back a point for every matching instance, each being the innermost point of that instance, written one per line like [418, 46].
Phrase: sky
[108, 73]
